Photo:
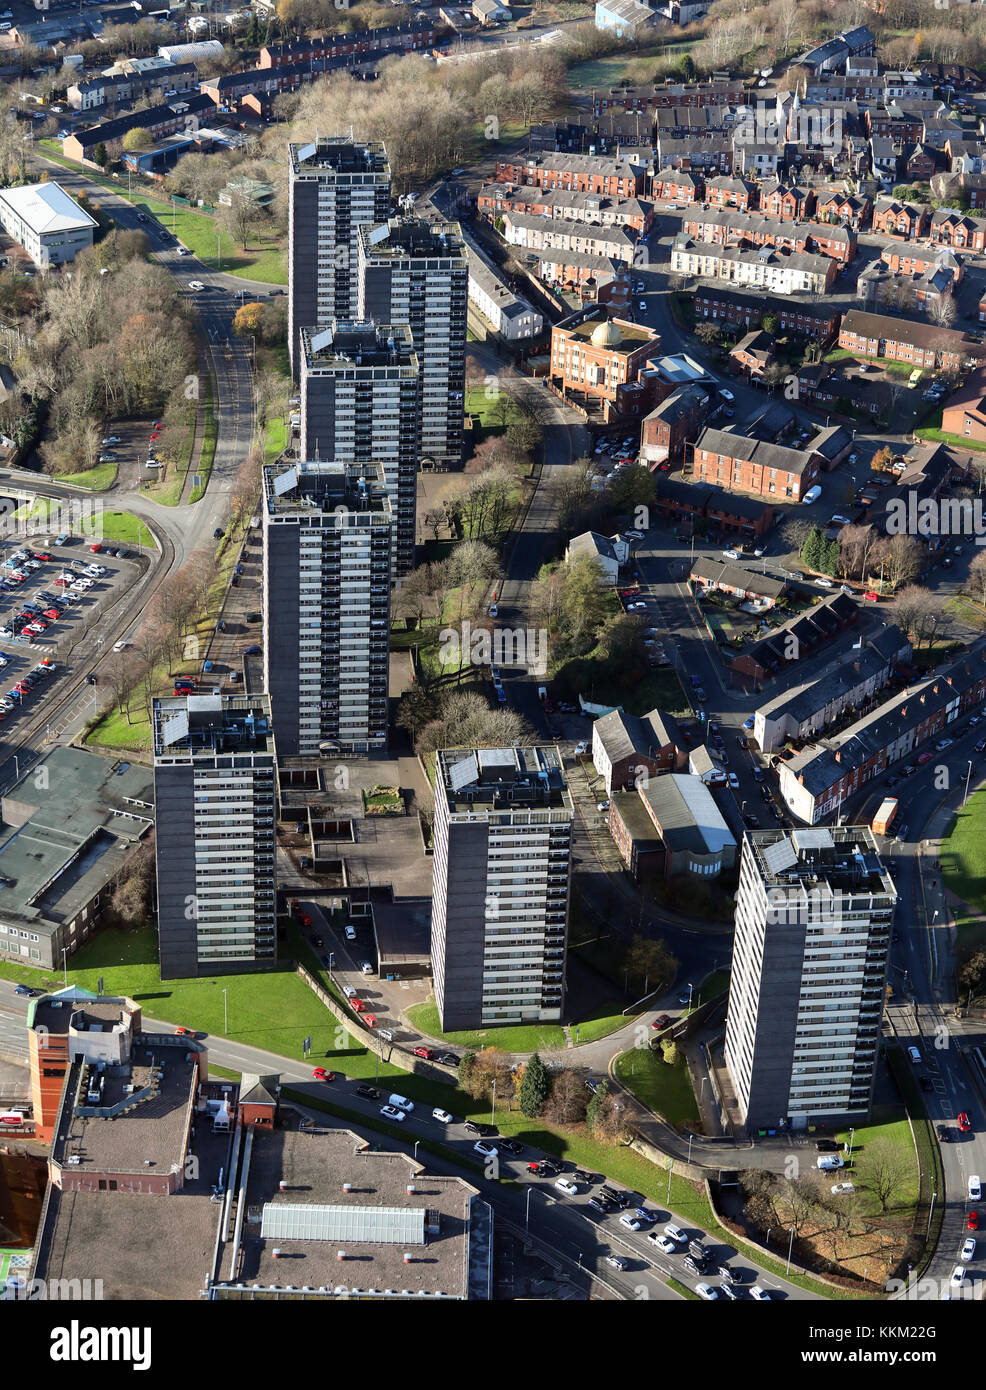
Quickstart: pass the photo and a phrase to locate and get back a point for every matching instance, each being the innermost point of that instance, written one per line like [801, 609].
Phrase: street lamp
[225, 1014]
[790, 1247]
[967, 776]
[416, 1143]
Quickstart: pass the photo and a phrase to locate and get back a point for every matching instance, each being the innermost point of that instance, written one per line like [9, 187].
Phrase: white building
[50, 225]
[609, 552]
[510, 316]
[783, 272]
[191, 52]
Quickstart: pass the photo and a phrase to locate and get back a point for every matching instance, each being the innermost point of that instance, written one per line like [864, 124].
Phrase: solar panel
[464, 772]
[818, 838]
[379, 1225]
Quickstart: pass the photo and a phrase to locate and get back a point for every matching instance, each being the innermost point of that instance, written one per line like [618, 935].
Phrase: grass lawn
[124, 527]
[275, 438]
[535, 1037]
[98, 479]
[609, 72]
[896, 1134]
[668, 1090]
[959, 441]
[963, 862]
[607, 1019]
[714, 985]
[885, 364]
[210, 434]
[485, 404]
[659, 689]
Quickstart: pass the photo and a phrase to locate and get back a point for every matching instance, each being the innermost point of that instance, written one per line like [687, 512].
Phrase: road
[567, 1223]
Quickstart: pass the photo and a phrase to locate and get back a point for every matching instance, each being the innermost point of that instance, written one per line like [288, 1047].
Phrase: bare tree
[884, 1170]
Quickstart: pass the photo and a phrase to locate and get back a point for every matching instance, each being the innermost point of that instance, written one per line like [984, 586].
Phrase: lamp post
[790, 1247]
[225, 1014]
[493, 1108]
[967, 776]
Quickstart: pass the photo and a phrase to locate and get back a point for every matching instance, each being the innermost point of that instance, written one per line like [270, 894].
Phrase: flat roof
[195, 725]
[357, 343]
[354, 493]
[315, 1164]
[503, 779]
[68, 826]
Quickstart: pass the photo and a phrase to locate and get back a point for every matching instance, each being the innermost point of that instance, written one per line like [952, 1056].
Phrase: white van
[914, 1055]
[401, 1102]
[386, 1034]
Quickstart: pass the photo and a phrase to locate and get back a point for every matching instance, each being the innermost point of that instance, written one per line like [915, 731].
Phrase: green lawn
[607, 1019]
[275, 438]
[668, 1090]
[535, 1037]
[98, 479]
[659, 689]
[124, 527]
[485, 403]
[963, 861]
[958, 441]
[897, 1134]
[636, 69]
[886, 364]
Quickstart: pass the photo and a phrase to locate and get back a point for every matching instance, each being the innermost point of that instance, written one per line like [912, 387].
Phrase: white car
[727, 395]
[663, 1243]
[633, 535]
[675, 1233]
[730, 554]
[842, 1187]
[603, 806]
[839, 520]
[762, 1295]
[349, 932]
[829, 1162]
[365, 968]
[958, 1277]
[581, 748]
[392, 1113]
[196, 285]
[631, 1222]
[119, 646]
[441, 1115]
[487, 1150]
[641, 307]
[349, 992]
[968, 1252]
[733, 781]
[493, 610]
[707, 1292]
[975, 1189]
[824, 583]
[566, 1185]
[112, 439]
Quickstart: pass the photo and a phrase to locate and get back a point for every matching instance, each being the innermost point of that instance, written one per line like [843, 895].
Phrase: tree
[813, 550]
[131, 897]
[137, 139]
[650, 963]
[631, 488]
[100, 155]
[568, 1100]
[977, 573]
[771, 323]
[884, 1169]
[247, 319]
[943, 311]
[535, 1087]
[669, 1051]
[883, 458]
[972, 973]
[708, 334]
[606, 1115]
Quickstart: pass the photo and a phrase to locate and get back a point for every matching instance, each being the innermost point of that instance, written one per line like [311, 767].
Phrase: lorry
[884, 817]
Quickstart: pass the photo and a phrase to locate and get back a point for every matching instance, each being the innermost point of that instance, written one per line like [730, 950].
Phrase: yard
[125, 528]
[97, 479]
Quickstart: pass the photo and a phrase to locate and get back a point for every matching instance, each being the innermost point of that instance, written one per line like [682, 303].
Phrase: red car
[923, 758]
[358, 1005]
[26, 632]
[661, 1021]
[51, 613]
[871, 596]
[972, 1221]
[320, 1074]
[184, 1033]
[424, 1052]
[964, 1123]
[40, 555]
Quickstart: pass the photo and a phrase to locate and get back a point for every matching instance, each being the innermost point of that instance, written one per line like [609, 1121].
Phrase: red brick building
[787, 202]
[716, 93]
[584, 173]
[676, 186]
[753, 354]
[732, 228]
[596, 360]
[845, 209]
[738, 464]
[908, 221]
[921, 344]
[731, 193]
[673, 424]
[965, 411]
[958, 230]
[747, 310]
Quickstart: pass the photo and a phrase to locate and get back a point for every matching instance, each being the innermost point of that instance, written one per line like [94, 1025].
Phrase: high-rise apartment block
[814, 918]
[215, 785]
[360, 403]
[502, 857]
[327, 561]
[335, 186]
[416, 272]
